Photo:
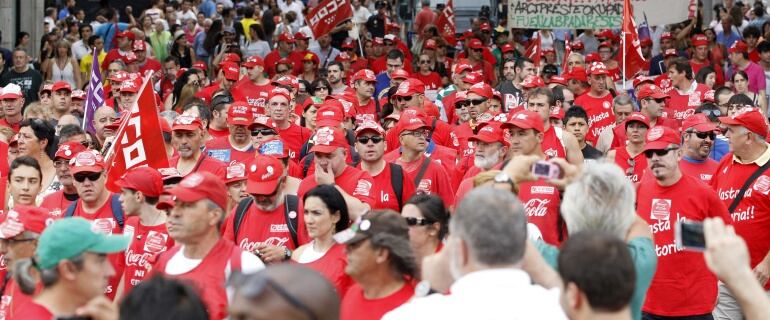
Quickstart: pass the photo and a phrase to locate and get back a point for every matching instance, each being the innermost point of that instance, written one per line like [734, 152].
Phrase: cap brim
[10, 96]
[656, 145]
[324, 149]
[185, 194]
[110, 244]
[349, 236]
[627, 122]
[730, 121]
[74, 169]
[185, 127]
[518, 124]
[239, 122]
[262, 188]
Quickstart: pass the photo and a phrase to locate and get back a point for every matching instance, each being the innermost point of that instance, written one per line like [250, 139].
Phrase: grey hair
[169, 115]
[621, 100]
[400, 254]
[602, 199]
[211, 205]
[28, 283]
[493, 225]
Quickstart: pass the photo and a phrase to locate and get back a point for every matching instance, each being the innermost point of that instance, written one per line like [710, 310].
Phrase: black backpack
[117, 210]
[290, 204]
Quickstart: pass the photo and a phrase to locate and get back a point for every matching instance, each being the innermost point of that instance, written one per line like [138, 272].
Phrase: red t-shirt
[33, 311]
[150, 64]
[552, 145]
[3, 174]
[296, 59]
[751, 217]
[14, 301]
[600, 115]
[720, 75]
[682, 285]
[664, 83]
[625, 162]
[259, 227]
[205, 163]
[541, 203]
[103, 220]
[332, 267]
[435, 180]
[385, 196]
[15, 127]
[355, 306]
[112, 55]
[255, 95]
[56, 203]
[271, 59]
[221, 149]
[206, 93]
[682, 105]
[146, 243]
[295, 136]
[219, 133]
[702, 171]
[431, 80]
[367, 112]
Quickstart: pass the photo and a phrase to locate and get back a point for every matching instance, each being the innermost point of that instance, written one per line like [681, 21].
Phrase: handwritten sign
[594, 14]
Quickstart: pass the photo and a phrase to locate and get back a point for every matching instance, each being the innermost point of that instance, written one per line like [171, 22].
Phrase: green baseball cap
[70, 237]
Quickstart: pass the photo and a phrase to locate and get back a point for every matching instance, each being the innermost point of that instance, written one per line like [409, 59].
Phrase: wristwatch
[286, 253]
[503, 177]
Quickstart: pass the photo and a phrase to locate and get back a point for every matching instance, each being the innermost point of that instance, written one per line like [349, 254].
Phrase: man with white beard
[490, 151]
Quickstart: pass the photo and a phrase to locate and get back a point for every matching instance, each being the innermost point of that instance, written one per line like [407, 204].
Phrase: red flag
[631, 48]
[567, 51]
[446, 23]
[139, 141]
[534, 52]
[327, 15]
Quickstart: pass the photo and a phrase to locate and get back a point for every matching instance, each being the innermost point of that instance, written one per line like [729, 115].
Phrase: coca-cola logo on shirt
[156, 242]
[684, 114]
[661, 209]
[103, 225]
[762, 185]
[425, 185]
[137, 259]
[536, 207]
[362, 188]
[252, 246]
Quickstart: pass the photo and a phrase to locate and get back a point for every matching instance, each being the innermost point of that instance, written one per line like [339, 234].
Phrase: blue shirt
[107, 32]
[720, 149]
[727, 40]
[383, 83]
[200, 51]
[208, 8]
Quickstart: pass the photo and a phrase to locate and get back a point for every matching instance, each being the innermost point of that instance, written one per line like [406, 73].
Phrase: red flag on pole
[567, 51]
[631, 49]
[327, 15]
[139, 141]
[534, 52]
[445, 22]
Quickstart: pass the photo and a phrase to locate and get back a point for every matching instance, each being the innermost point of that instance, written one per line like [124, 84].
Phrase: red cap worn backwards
[525, 120]
[492, 132]
[87, 161]
[660, 137]
[186, 123]
[69, 149]
[24, 218]
[750, 118]
[264, 174]
[146, 180]
[198, 186]
[532, 81]
[236, 171]
[327, 140]
[329, 115]
[698, 122]
[240, 114]
[410, 87]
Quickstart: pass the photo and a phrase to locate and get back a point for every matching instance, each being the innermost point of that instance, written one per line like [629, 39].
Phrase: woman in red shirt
[325, 213]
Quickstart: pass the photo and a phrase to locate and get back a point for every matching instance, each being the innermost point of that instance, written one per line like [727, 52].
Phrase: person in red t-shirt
[430, 177]
[229, 74]
[476, 59]
[687, 94]
[700, 58]
[431, 79]
[597, 102]
[187, 138]
[556, 142]
[490, 150]
[218, 124]
[202, 257]
[630, 157]
[283, 50]
[237, 145]
[664, 198]
[652, 104]
[368, 109]
[125, 40]
[699, 135]
[370, 145]
[58, 201]
[75, 255]
[379, 287]
[145, 64]
[12, 102]
[279, 109]
[141, 188]
[254, 89]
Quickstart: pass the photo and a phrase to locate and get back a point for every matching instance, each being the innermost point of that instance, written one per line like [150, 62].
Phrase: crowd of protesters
[383, 171]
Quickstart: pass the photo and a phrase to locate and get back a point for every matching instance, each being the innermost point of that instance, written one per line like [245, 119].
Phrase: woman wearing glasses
[428, 222]
[326, 213]
[36, 140]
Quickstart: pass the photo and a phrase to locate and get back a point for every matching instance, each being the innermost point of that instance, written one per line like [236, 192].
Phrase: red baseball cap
[11, 91]
[146, 180]
[45, 88]
[642, 79]
[699, 40]
[646, 42]
[78, 94]
[598, 68]
[699, 122]
[236, 171]
[593, 57]
[473, 78]
[578, 73]
[638, 117]
[118, 76]
[126, 33]
[254, 61]
[348, 44]
[201, 185]
[410, 87]
[364, 74]
[507, 48]
[651, 91]
[200, 65]
[129, 86]
[263, 120]
[670, 53]
[328, 139]
[300, 36]
[116, 124]
[660, 137]
[708, 96]
[170, 175]
[605, 44]
[492, 132]
[287, 81]
[87, 161]
[24, 218]
[377, 41]
[286, 38]
[187, 123]
[231, 72]
[606, 33]
[475, 44]
[556, 113]
[667, 35]
[750, 118]
[278, 91]
[164, 126]
[343, 56]
[430, 44]
[61, 85]
[407, 123]
[399, 74]
[481, 89]
[69, 149]
[525, 119]
[738, 46]
[240, 114]
[139, 46]
[532, 81]
[369, 125]
[578, 45]
[496, 94]
[231, 57]
[265, 173]
[485, 26]
[329, 115]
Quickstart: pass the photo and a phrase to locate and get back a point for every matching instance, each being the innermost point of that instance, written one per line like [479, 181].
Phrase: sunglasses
[703, 135]
[461, 104]
[476, 102]
[657, 100]
[424, 61]
[712, 113]
[264, 132]
[411, 221]
[660, 153]
[365, 140]
[91, 176]
[478, 50]
[405, 99]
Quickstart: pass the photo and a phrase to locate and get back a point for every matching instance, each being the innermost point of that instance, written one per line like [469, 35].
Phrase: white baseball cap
[11, 91]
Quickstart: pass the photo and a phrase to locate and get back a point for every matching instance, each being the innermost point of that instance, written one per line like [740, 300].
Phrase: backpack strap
[746, 185]
[432, 129]
[397, 181]
[377, 108]
[306, 162]
[240, 212]
[71, 209]
[117, 210]
[354, 156]
[291, 204]
[423, 168]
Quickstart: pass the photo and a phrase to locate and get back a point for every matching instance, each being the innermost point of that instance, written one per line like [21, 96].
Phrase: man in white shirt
[487, 238]
[296, 6]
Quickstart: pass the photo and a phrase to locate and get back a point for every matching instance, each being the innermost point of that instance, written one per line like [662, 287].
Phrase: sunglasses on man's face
[461, 104]
[264, 132]
[712, 113]
[703, 135]
[91, 176]
[660, 153]
[476, 102]
[365, 140]
[424, 61]
[405, 99]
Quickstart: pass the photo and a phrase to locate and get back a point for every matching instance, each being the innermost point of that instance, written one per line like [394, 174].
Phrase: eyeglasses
[657, 100]
[405, 99]
[10, 242]
[660, 153]
[320, 88]
[417, 134]
[703, 135]
[264, 132]
[255, 285]
[411, 221]
[461, 104]
[476, 102]
[59, 163]
[424, 61]
[478, 50]
[712, 113]
[365, 140]
[91, 176]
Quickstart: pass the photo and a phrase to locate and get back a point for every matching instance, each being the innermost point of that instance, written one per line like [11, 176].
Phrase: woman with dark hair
[257, 46]
[184, 89]
[740, 82]
[320, 88]
[707, 76]
[22, 40]
[428, 222]
[212, 35]
[326, 213]
[37, 140]
[182, 49]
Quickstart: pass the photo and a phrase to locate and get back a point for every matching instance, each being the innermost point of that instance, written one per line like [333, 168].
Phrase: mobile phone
[546, 170]
[689, 235]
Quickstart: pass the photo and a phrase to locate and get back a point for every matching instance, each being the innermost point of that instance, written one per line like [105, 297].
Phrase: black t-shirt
[29, 81]
[512, 96]
[592, 153]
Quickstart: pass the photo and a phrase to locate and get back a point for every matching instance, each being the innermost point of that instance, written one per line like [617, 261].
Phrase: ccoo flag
[94, 96]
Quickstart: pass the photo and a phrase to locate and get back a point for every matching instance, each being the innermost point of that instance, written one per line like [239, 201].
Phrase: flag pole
[624, 53]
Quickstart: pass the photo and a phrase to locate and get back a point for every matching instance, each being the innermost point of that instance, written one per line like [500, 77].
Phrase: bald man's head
[103, 116]
[293, 291]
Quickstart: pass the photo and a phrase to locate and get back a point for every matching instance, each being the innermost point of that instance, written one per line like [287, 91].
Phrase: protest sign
[594, 14]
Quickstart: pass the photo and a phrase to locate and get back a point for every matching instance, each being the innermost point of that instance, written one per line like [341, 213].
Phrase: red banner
[631, 48]
[534, 51]
[139, 141]
[327, 15]
[567, 52]
[445, 22]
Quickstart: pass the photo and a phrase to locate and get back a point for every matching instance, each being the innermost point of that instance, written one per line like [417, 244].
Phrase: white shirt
[79, 50]
[297, 7]
[179, 264]
[489, 295]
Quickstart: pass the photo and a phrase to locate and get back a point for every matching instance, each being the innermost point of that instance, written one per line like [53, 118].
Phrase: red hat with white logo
[475, 44]
[750, 118]
[670, 53]
[606, 33]
[348, 44]
[118, 76]
[473, 78]
[69, 149]
[11, 91]
[532, 81]
[497, 94]
[492, 132]
[593, 57]
[170, 175]
[139, 46]
[578, 45]
[578, 73]
[667, 35]
[699, 40]
[200, 65]
[660, 137]
[739, 47]
[236, 171]
[364, 74]
[507, 48]
[343, 56]
[78, 94]
[410, 87]
[651, 91]
[598, 68]
[330, 114]
[698, 122]
[708, 96]
[328, 139]
[61, 85]
[186, 123]
[279, 92]
[231, 72]
[525, 119]
[300, 36]
[481, 89]
[146, 180]
[371, 126]
[240, 114]
[605, 44]
[87, 161]
[130, 58]
[642, 79]
[200, 185]
[462, 66]
[430, 44]
[126, 34]
[377, 41]
[485, 26]
[285, 37]
[129, 86]
[287, 81]
[263, 120]
[413, 123]
[557, 80]
[24, 218]
[399, 74]
[254, 61]
[231, 57]
[556, 113]
[638, 117]
[48, 87]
